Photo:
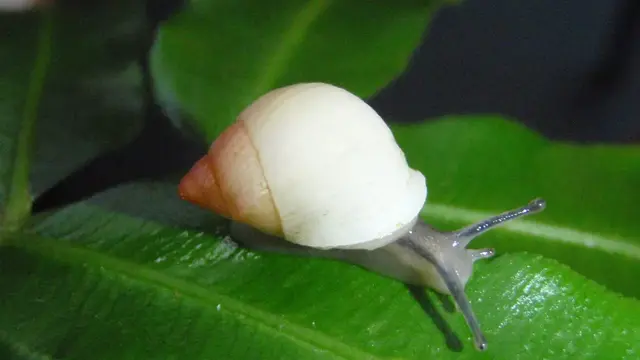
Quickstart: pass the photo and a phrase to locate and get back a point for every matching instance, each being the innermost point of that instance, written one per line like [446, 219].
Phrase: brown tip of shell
[199, 187]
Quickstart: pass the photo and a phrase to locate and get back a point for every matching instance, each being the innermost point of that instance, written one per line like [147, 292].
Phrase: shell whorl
[314, 164]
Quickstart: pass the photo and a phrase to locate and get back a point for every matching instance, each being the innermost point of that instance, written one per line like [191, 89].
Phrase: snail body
[313, 168]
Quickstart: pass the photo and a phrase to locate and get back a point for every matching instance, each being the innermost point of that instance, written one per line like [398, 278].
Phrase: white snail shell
[314, 164]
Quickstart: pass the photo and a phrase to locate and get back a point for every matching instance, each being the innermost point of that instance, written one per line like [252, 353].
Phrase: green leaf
[71, 89]
[106, 272]
[216, 57]
[476, 166]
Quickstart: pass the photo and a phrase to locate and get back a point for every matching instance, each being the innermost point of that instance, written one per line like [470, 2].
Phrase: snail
[313, 168]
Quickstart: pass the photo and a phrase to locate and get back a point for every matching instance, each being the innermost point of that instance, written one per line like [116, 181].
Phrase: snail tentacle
[468, 233]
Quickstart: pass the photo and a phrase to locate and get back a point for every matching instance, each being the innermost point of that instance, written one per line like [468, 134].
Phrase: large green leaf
[70, 89]
[104, 279]
[477, 166]
[215, 57]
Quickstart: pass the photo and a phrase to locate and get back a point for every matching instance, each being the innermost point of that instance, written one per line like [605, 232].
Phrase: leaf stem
[19, 201]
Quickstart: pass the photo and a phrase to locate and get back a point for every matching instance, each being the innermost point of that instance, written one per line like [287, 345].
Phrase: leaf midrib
[68, 253]
[18, 202]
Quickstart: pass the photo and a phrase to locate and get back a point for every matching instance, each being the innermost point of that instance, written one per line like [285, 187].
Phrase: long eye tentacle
[468, 233]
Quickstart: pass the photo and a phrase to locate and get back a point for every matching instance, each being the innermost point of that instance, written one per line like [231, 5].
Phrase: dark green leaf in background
[96, 275]
[70, 89]
[216, 57]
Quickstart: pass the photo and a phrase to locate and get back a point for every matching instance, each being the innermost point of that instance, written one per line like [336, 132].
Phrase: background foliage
[129, 271]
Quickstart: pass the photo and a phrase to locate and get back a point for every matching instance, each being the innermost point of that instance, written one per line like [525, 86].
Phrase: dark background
[569, 69]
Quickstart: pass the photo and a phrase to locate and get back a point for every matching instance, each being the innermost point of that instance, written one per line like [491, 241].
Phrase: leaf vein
[18, 206]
